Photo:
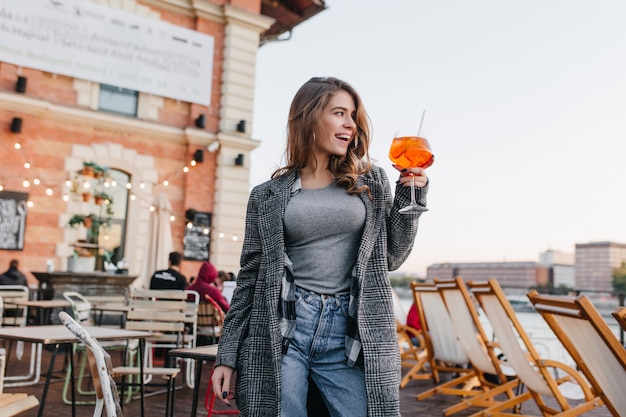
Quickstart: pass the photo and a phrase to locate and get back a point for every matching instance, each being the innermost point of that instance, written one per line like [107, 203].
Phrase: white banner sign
[84, 40]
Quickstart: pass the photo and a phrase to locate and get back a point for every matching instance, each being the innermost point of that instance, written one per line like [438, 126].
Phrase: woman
[313, 298]
[204, 284]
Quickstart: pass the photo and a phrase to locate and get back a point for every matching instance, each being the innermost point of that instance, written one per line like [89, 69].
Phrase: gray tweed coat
[251, 338]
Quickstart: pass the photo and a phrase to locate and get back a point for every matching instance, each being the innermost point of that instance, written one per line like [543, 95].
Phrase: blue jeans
[318, 350]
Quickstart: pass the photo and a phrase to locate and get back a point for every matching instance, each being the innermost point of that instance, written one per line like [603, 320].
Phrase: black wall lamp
[201, 121]
[239, 160]
[16, 125]
[198, 156]
[241, 126]
[20, 86]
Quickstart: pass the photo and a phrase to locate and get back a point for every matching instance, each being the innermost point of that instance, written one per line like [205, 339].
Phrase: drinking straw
[419, 131]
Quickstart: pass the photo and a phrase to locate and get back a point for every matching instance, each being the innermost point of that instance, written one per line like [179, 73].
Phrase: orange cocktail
[411, 151]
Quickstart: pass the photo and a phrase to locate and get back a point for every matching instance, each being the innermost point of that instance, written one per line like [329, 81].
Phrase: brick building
[513, 275]
[160, 92]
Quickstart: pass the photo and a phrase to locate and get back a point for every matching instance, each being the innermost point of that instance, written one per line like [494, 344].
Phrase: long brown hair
[304, 120]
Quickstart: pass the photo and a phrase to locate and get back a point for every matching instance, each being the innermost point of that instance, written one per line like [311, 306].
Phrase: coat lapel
[374, 215]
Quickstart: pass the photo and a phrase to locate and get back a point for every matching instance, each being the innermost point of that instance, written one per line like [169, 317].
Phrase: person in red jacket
[205, 284]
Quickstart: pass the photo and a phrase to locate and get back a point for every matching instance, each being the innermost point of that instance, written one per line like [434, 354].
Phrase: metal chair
[15, 315]
[107, 398]
[83, 314]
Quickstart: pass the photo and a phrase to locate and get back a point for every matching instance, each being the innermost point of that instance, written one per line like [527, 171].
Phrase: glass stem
[413, 203]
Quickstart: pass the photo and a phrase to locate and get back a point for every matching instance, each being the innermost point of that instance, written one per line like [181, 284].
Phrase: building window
[118, 100]
[113, 241]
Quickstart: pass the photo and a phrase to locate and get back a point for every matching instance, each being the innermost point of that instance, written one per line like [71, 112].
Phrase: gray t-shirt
[323, 229]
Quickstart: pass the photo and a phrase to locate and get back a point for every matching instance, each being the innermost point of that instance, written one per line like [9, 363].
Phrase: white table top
[41, 303]
[198, 352]
[52, 334]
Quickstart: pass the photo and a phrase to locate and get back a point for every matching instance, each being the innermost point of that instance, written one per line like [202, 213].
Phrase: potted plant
[102, 197]
[89, 169]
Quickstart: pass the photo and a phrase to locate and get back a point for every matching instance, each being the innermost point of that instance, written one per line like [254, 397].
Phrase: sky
[525, 109]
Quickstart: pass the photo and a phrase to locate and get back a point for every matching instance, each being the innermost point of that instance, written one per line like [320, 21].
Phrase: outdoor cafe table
[58, 334]
[42, 307]
[200, 354]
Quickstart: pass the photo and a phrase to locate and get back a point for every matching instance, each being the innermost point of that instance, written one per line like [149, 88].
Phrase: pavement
[155, 405]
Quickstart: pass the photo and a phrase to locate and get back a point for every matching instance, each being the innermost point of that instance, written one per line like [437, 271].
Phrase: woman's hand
[418, 174]
[221, 383]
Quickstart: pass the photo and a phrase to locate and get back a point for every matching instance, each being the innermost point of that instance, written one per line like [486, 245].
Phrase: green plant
[76, 220]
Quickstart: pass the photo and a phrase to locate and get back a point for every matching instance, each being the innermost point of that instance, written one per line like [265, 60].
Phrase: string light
[26, 165]
[30, 204]
[36, 181]
[166, 183]
[49, 191]
[17, 145]
[26, 183]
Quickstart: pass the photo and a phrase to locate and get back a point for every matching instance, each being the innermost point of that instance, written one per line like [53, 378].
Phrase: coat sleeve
[401, 228]
[237, 318]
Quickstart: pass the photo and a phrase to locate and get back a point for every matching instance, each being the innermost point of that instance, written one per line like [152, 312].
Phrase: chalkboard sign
[12, 220]
[197, 238]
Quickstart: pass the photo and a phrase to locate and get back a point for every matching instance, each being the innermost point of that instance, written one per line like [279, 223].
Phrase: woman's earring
[356, 141]
[313, 136]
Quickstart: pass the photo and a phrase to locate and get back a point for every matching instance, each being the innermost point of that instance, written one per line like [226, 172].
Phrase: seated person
[413, 321]
[171, 278]
[204, 284]
[13, 276]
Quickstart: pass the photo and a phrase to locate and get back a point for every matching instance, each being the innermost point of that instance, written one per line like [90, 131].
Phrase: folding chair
[543, 378]
[444, 351]
[494, 376]
[620, 316]
[590, 342]
[107, 398]
[412, 355]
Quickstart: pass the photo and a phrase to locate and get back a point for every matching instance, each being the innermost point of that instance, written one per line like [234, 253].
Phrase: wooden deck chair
[569, 393]
[590, 342]
[494, 377]
[444, 351]
[620, 316]
[412, 354]
[162, 312]
[107, 398]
